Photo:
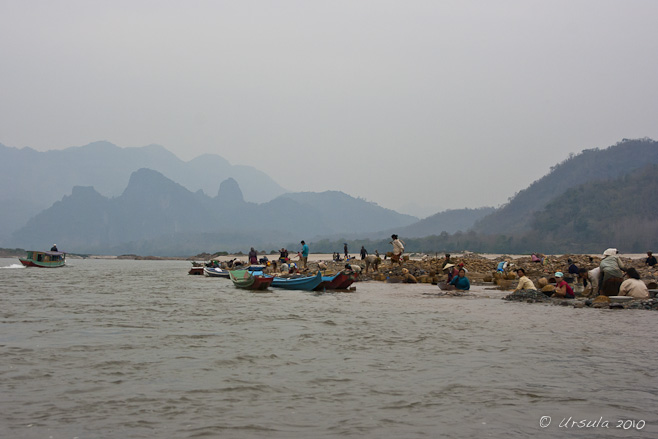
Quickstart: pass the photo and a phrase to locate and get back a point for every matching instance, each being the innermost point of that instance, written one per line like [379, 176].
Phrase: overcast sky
[443, 104]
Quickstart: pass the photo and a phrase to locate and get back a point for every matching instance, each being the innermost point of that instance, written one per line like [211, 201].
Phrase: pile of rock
[650, 304]
[528, 296]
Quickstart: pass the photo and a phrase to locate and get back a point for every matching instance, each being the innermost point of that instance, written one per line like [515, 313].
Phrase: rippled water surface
[140, 349]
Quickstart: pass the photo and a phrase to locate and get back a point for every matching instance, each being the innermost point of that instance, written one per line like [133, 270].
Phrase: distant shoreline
[313, 257]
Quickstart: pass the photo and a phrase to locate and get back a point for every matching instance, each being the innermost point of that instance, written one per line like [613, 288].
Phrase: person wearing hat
[53, 248]
[450, 271]
[304, 254]
[611, 272]
[562, 289]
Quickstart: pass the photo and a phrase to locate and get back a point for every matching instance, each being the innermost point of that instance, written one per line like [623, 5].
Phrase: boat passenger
[54, 248]
[461, 281]
[650, 260]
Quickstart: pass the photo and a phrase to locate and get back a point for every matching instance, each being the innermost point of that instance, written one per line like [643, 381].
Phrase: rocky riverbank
[533, 296]
[482, 271]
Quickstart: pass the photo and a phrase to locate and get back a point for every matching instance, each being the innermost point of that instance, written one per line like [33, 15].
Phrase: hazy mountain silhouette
[449, 221]
[157, 215]
[31, 181]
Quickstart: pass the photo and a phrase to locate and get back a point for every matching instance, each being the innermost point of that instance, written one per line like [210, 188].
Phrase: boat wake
[14, 266]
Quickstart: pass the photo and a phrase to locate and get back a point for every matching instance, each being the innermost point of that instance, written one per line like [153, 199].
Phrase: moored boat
[48, 259]
[247, 280]
[304, 283]
[196, 269]
[340, 281]
[215, 272]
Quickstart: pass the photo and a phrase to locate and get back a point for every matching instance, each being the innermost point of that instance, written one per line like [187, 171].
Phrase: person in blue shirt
[304, 254]
[461, 281]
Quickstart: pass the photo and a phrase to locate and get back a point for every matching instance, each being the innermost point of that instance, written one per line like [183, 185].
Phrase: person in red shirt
[562, 289]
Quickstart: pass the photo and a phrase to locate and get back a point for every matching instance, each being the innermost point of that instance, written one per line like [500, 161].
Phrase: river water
[140, 349]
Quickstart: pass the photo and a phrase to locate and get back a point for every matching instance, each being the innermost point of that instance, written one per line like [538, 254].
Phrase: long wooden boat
[340, 281]
[247, 280]
[304, 283]
[44, 259]
[215, 272]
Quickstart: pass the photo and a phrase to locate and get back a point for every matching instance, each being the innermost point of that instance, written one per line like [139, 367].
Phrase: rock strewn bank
[532, 296]
[481, 272]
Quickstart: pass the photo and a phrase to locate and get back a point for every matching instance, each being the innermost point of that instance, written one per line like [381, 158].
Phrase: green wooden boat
[245, 279]
[44, 259]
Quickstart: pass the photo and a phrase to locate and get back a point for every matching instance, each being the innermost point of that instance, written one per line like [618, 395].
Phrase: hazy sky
[437, 103]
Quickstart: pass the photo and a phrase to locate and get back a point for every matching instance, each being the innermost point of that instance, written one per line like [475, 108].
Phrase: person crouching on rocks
[460, 281]
[633, 286]
[562, 289]
[524, 282]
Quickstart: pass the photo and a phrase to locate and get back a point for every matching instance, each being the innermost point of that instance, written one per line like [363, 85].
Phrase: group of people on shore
[609, 278]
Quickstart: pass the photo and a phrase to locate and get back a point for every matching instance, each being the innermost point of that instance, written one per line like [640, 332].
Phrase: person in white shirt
[398, 249]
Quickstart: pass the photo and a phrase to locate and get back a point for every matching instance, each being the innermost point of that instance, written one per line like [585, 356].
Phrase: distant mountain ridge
[620, 213]
[448, 221]
[157, 214]
[31, 181]
[590, 165]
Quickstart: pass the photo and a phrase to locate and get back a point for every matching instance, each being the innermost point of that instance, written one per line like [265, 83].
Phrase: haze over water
[140, 349]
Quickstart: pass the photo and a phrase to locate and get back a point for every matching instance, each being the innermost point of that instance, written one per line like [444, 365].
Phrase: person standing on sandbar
[398, 249]
[304, 254]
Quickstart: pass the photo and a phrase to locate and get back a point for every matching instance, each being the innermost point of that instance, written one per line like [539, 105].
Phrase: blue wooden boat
[304, 283]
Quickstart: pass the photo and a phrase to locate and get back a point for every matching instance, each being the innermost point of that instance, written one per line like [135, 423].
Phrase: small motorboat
[51, 259]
